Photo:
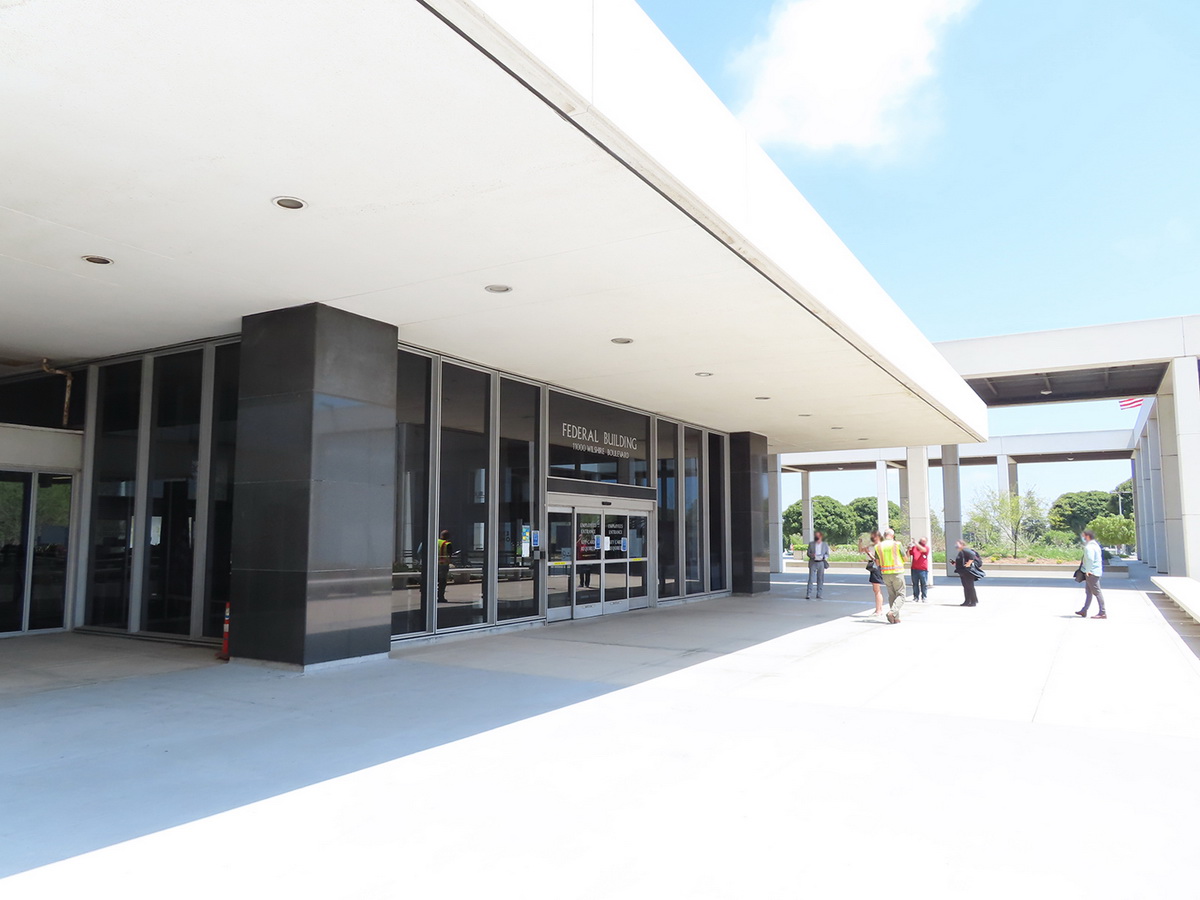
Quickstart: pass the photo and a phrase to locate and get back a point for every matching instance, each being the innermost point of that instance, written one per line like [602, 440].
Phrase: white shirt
[1093, 561]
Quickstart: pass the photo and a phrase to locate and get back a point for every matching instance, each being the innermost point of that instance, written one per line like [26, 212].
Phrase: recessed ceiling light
[762, 398]
[1045, 392]
[289, 202]
[1070, 458]
[497, 288]
[836, 427]
[840, 468]
[864, 439]
[622, 340]
[98, 260]
[804, 415]
[704, 374]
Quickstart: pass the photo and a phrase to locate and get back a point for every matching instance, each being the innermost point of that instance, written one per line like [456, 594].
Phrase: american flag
[1131, 403]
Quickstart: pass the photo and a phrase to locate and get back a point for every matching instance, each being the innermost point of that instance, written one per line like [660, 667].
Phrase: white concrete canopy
[563, 149]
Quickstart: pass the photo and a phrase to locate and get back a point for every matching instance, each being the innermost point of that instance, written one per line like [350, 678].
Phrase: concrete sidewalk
[735, 748]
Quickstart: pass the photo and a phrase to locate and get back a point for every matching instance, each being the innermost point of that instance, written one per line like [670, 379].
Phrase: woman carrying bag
[969, 569]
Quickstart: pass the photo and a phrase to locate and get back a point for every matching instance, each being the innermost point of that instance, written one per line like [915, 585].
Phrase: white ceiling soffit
[436, 156]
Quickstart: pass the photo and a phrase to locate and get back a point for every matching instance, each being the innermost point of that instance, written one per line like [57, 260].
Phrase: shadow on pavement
[106, 760]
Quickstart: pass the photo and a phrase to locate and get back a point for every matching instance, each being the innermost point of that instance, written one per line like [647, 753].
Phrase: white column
[774, 512]
[881, 493]
[1002, 483]
[1158, 526]
[951, 501]
[1013, 484]
[919, 523]
[1145, 521]
[1179, 435]
[806, 500]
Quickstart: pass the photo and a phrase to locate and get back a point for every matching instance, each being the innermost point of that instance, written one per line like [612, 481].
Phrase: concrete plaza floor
[734, 748]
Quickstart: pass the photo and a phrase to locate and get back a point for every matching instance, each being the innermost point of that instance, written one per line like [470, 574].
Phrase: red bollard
[224, 654]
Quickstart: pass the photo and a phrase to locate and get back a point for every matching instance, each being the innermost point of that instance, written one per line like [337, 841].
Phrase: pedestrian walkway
[736, 748]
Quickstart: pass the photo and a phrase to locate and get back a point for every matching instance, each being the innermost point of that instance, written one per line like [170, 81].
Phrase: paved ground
[738, 748]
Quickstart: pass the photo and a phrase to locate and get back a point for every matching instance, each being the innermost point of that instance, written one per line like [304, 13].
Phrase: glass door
[597, 561]
[560, 563]
[35, 514]
[616, 565]
[589, 569]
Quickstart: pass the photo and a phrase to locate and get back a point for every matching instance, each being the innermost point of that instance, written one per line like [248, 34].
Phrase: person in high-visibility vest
[890, 556]
[445, 552]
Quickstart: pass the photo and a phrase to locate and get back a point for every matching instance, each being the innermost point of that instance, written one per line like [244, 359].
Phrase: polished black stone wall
[313, 513]
[750, 568]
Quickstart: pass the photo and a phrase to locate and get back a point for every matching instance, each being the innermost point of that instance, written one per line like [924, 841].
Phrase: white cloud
[844, 73]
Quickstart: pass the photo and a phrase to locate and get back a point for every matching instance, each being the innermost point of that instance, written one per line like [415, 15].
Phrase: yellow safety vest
[891, 557]
[443, 551]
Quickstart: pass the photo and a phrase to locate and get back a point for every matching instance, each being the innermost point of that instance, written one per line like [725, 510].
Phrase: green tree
[793, 520]
[1113, 531]
[1013, 519]
[834, 519]
[1072, 511]
[866, 514]
[1120, 501]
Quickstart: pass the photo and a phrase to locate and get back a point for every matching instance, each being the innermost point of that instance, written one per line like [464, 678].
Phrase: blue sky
[998, 165]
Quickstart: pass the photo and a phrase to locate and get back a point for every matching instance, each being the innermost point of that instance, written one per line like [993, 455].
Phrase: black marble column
[314, 487]
[748, 500]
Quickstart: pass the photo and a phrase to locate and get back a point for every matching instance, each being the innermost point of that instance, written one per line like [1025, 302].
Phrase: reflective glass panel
[516, 595]
[462, 498]
[692, 512]
[48, 587]
[174, 461]
[616, 537]
[40, 400]
[668, 534]
[560, 547]
[716, 512]
[409, 597]
[110, 556]
[14, 547]
[588, 542]
[616, 586]
[637, 578]
[591, 441]
[220, 489]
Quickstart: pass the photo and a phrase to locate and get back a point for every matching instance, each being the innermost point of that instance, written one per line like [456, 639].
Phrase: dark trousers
[816, 572]
[968, 583]
[1091, 587]
[920, 580]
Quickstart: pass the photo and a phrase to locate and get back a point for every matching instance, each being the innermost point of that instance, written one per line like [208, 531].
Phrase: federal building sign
[594, 442]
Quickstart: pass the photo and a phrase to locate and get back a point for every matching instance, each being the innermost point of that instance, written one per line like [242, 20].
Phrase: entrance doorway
[598, 558]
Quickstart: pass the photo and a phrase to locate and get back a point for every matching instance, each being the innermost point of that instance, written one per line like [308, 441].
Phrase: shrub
[1060, 539]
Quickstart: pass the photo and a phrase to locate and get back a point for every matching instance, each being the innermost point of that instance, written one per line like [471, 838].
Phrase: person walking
[962, 568]
[890, 555]
[818, 562]
[874, 576]
[1092, 565]
[445, 555]
[919, 555]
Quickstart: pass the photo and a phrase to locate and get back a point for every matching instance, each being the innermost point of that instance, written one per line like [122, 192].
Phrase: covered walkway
[739, 747]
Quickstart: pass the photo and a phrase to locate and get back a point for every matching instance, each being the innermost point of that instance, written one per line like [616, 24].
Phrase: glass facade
[462, 590]
[517, 585]
[15, 497]
[476, 454]
[591, 441]
[114, 482]
[693, 512]
[174, 464]
[409, 594]
[668, 514]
